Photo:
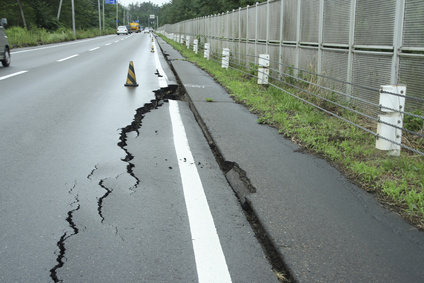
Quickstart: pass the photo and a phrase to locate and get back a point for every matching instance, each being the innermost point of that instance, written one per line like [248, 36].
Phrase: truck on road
[135, 27]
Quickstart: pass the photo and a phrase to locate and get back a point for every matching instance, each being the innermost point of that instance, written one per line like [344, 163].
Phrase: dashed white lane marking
[95, 48]
[53, 46]
[67, 58]
[210, 260]
[12, 75]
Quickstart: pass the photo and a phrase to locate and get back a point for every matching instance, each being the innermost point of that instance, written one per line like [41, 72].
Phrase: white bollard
[391, 105]
[195, 45]
[188, 42]
[225, 58]
[207, 51]
[263, 71]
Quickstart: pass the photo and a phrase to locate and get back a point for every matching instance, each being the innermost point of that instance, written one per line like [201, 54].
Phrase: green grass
[19, 37]
[395, 181]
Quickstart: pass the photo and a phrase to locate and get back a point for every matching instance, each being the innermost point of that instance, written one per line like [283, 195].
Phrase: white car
[146, 30]
[4, 45]
[122, 30]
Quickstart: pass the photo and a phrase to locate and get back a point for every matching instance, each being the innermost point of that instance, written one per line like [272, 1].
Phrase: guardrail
[386, 123]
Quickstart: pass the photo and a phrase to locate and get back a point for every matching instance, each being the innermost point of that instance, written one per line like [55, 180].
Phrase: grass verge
[396, 181]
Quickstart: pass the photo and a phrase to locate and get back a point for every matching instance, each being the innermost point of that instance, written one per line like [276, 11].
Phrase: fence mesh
[364, 44]
[274, 21]
[290, 20]
[413, 34]
[336, 21]
[374, 23]
[309, 21]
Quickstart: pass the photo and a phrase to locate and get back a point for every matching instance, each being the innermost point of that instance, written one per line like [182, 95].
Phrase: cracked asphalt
[90, 189]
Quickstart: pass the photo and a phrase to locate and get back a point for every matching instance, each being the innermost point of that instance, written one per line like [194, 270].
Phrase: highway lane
[70, 208]
[60, 119]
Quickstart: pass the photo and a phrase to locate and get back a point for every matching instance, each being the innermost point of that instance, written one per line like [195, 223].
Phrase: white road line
[12, 75]
[210, 260]
[107, 44]
[53, 46]
[67, 58]
[163, 78]
[95, 48]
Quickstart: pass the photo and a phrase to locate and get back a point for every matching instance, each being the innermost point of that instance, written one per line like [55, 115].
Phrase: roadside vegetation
[397, 182]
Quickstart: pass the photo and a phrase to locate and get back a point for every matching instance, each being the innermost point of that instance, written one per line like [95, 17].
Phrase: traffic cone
[153, 49]
[131, 80]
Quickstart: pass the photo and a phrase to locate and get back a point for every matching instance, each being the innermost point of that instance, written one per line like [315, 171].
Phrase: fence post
[263, 70]
[268, 19]
[247, 37]
[228, 26]
[256, 31]
[350, 54]
[392, 101]
[239, 33]
[225, 58]
[298, 37]
[397, 39]
[280, 45]
[188, 42]
[320, 39]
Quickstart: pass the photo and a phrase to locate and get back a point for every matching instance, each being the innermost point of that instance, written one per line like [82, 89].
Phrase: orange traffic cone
[131, 80]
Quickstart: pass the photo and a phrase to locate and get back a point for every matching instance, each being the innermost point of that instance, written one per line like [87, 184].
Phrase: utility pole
[73, 16]
[22, 14]
[60, 8]
[100, 19]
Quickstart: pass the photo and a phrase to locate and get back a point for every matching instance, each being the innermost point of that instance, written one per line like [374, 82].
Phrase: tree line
[181, 10]
[45, 13]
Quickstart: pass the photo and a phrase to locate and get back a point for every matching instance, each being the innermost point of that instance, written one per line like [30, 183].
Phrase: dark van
[4, 44]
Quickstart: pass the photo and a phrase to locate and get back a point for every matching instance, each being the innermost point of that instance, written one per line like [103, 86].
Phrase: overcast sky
[156, 2]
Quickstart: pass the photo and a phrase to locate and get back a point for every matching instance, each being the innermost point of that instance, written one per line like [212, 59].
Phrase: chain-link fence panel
[374, 22]
[262, 21]
[413, 35]
[251, 23]
[290, 20]
[411, 72]
[309, 21]
[274, 21]
[334, 65]
[370, 70]
[336, 22]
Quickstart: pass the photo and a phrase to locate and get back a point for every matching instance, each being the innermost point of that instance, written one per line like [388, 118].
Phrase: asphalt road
[324, 228]
[86, 197]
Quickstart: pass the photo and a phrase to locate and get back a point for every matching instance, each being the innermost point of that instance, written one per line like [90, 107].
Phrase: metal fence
[350, 47]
